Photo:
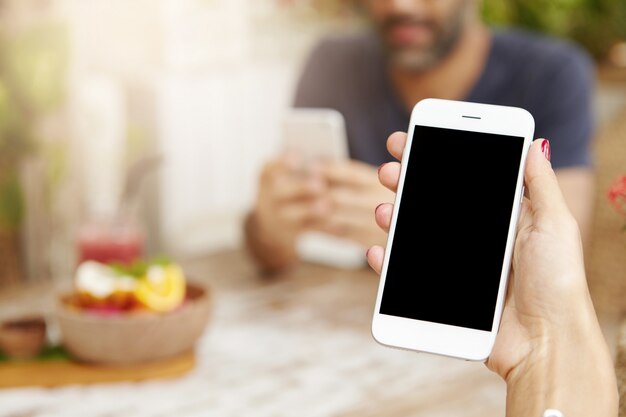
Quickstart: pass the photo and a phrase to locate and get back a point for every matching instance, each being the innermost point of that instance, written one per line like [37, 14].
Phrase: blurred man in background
[418, 49]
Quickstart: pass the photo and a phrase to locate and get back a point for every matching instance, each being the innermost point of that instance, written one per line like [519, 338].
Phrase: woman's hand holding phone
[549, 349]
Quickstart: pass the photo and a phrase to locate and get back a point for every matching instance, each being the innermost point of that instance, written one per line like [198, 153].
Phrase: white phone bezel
[447, 340]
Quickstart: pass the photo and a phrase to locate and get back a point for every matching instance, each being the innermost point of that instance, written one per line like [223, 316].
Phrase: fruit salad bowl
[136, 336]
[126, 315]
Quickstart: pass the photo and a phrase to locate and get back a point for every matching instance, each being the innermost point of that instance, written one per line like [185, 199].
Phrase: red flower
[617, 195]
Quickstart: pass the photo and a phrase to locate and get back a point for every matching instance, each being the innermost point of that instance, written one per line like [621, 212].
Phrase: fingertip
[396, 143]
[538, 160]
[546, 149]
[541, 182]
[375, 256]
[540, 149]
[389, 175]
[382, 214]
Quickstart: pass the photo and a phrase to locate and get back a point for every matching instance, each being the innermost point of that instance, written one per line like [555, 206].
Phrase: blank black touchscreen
[456, 208]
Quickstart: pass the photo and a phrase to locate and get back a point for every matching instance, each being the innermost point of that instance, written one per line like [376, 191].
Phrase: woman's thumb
[541, 183]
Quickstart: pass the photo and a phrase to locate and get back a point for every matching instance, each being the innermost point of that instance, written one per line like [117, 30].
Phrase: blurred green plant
[595, 24]
[32, 71]
[48, 354]
[11, 201]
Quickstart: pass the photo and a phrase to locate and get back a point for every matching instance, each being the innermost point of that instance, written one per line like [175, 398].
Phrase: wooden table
[294, 345]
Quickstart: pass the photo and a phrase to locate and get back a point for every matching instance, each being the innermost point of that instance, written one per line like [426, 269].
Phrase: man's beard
[421, 58]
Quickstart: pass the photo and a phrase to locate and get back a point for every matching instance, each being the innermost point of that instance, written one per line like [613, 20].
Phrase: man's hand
[288, 202]
[333, 197]
[353, 192]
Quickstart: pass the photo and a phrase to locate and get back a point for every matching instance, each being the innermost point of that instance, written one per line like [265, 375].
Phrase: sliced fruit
[162, 289]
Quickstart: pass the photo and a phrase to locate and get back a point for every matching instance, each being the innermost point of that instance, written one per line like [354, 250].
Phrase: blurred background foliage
[32, 71]
[595, 24]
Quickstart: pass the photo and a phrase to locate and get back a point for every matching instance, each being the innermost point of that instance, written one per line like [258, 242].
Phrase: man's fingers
[287, 164]
[541, 183]
[350, 200]
[345, 223]
[270, 170]
[375, 256]
[282, 181]
[396, 143]
[383, 215]
[389, 175]
[286, 188]
[356, 200]
[350, 173]
[302, 213]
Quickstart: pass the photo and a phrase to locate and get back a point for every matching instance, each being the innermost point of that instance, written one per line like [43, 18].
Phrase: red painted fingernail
[545, 148]
[381, 166]
[377, 207]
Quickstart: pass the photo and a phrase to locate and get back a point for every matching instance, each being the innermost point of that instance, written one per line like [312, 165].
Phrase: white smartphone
[319, 134]
[444, 275]
[315, 134]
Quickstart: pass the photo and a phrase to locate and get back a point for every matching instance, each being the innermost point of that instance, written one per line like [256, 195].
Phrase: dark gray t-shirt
[550, 78]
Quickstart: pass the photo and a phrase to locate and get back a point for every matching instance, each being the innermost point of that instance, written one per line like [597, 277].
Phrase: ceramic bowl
[23, 338]
[134, 337]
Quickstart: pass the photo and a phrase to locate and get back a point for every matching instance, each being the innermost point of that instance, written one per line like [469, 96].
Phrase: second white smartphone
[444, 275]
[318, 135]
[315, 134]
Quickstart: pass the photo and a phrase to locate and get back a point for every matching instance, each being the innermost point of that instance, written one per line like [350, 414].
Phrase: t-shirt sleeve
[563, 111]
